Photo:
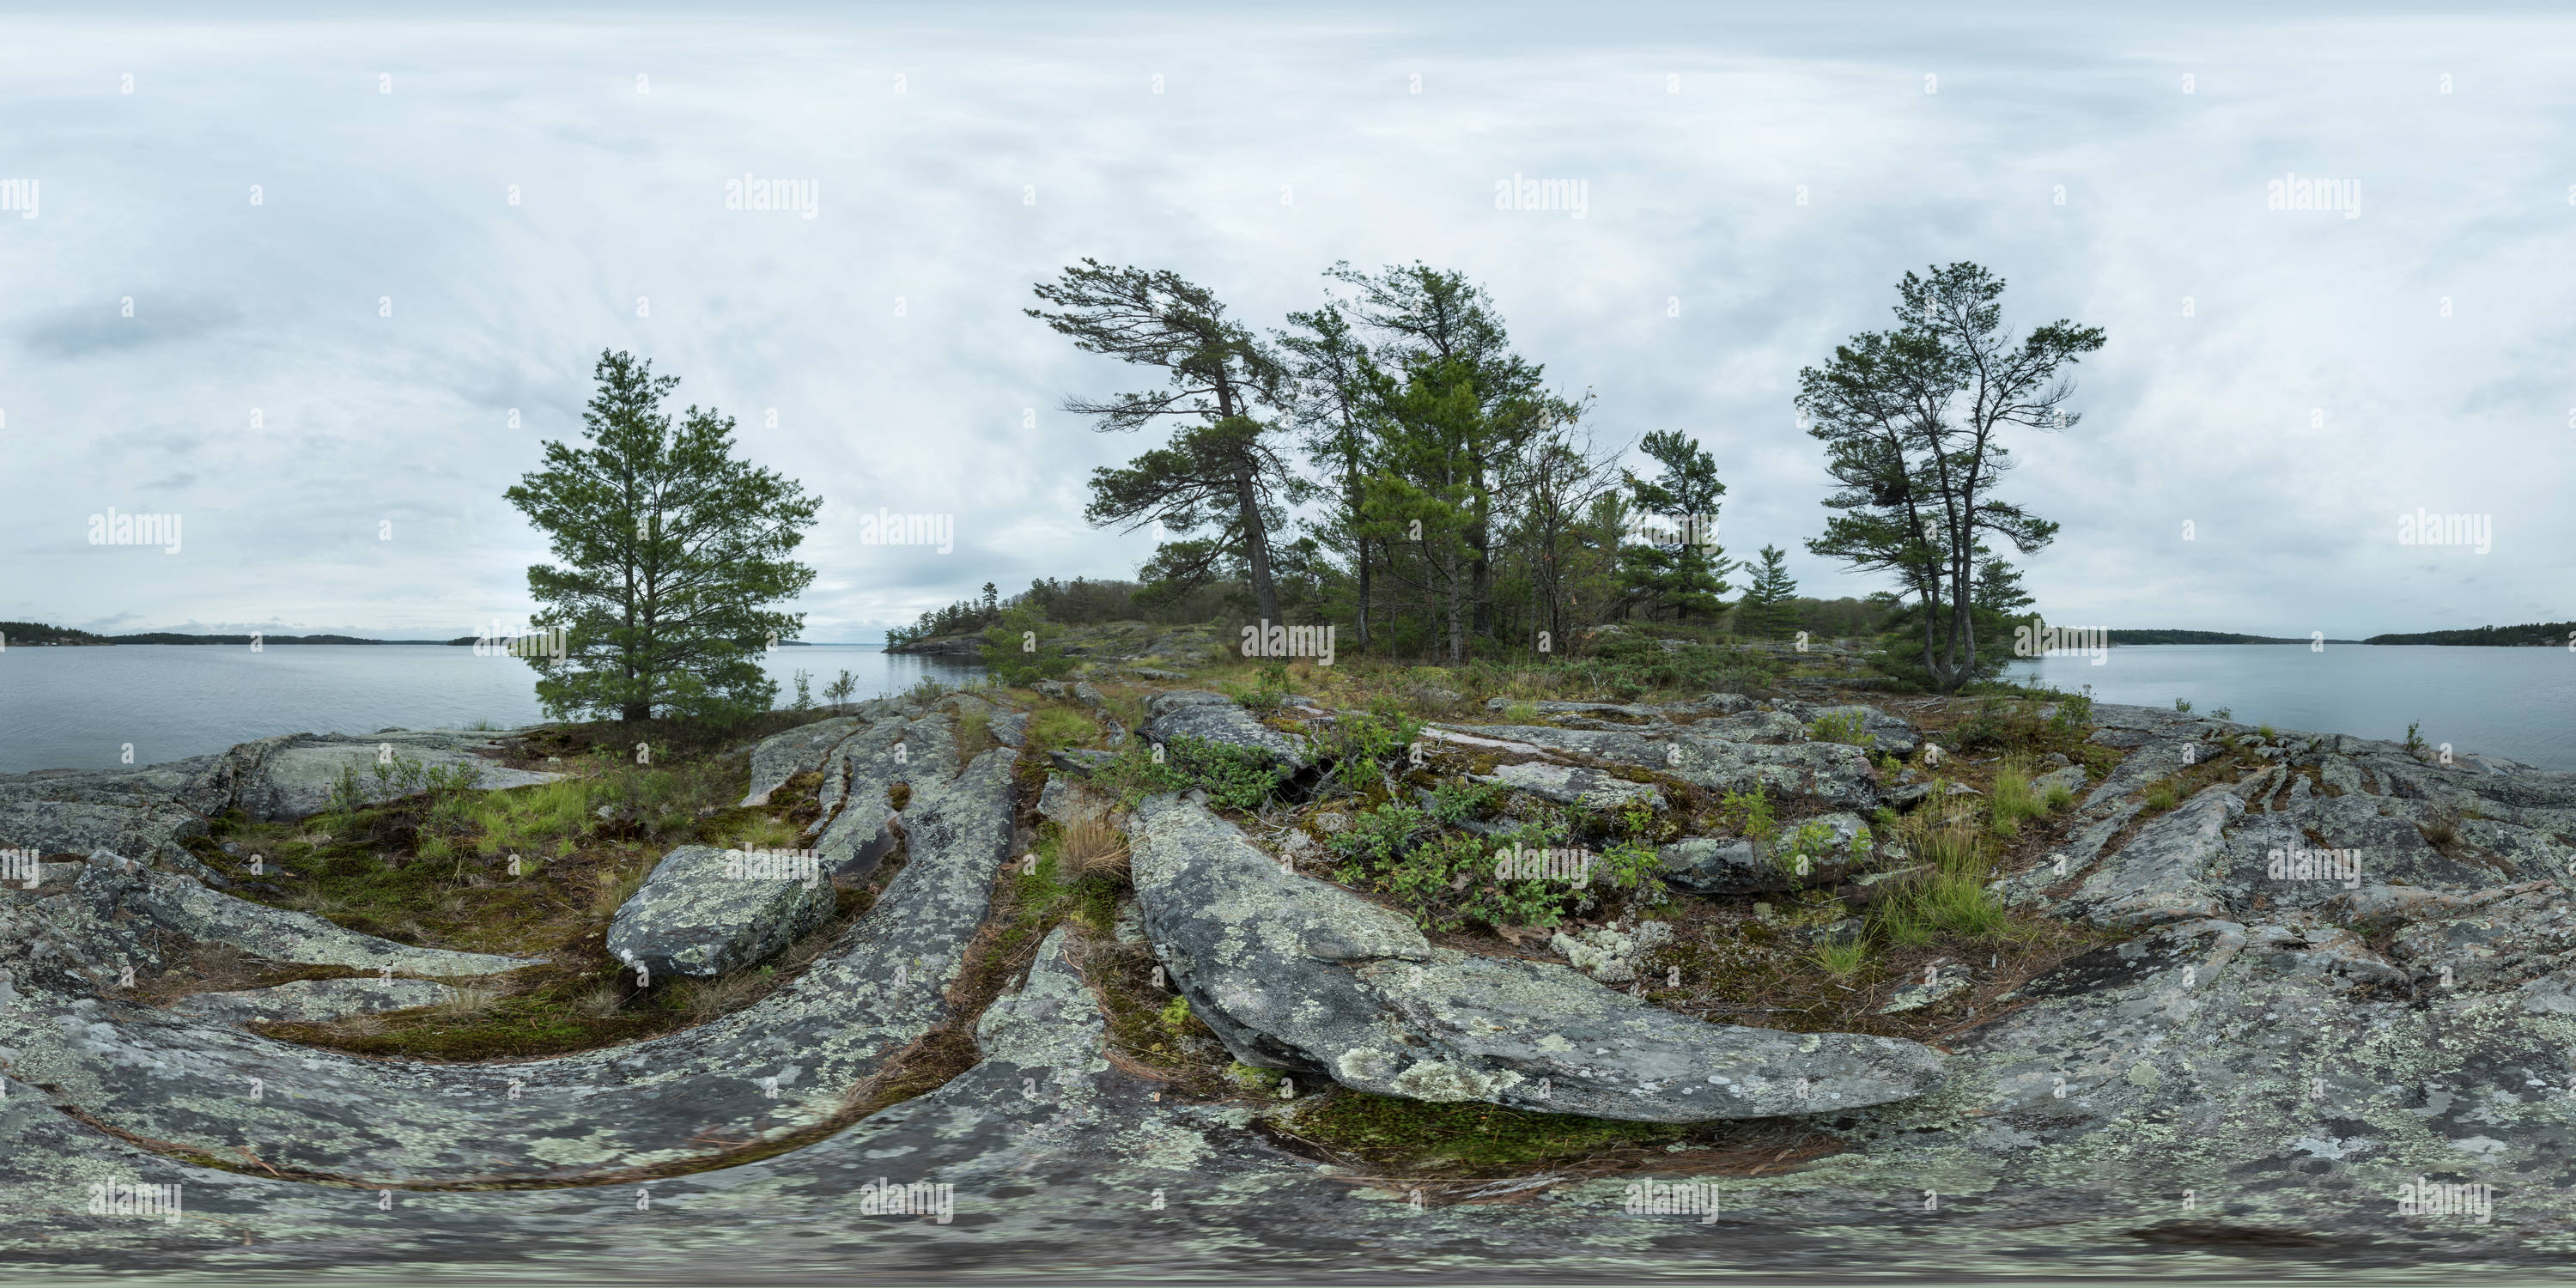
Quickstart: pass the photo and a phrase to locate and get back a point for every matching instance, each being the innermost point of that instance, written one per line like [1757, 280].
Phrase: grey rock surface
[1294, 973]
[1214, 717]
[313, 1000]
[704, 912]
[1573, 785]
[800, 750]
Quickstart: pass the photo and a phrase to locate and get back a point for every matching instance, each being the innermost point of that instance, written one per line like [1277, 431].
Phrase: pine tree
[1680, 566]
[673, 555]
[1766, 613]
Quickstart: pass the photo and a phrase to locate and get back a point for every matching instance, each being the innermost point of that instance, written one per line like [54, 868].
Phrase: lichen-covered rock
[297, 775]
[1736, 866]
[1708, 755]
[800, 750]
[1942, 979]
[1294, 973]
[705, 911]
[313, 1000]
[1573, 785]
[1607, 953]
[1214, 717]
[1067, 800]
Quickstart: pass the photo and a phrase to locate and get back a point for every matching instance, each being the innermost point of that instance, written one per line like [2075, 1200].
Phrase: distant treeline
[1080, 602]
[2535, 635]
[39, 633]
[1086, 602]
[2199, 637]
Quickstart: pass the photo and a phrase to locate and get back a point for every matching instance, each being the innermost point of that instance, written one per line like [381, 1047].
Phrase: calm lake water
[76, 708]
[2519, 703]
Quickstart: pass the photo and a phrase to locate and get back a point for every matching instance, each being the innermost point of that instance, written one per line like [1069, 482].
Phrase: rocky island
[1161, 971]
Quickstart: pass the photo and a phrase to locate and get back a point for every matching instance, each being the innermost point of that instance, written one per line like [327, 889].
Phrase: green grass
[1841, 957]
[2013, 799]
[1056, 727]
[531, 821]
[1469, 1139]
[2163, 794]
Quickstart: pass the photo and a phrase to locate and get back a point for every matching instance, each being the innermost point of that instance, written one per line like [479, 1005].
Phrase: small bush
[2074, 715]
[1363, 747]
[2183, 705]
[2163, 794]
[1841, 726]
[1750, 814]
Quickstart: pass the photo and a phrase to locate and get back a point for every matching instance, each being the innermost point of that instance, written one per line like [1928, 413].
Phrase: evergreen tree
[1765, 612]
[1679, 565]
[1219, 468]
[672, 552]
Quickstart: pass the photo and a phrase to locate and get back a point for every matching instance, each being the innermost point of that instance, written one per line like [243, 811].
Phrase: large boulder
[705, 911]
[1295, 973]
[1214, 717]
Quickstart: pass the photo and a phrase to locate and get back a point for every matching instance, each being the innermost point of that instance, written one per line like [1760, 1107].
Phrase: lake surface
[2519, 703]
[76, 708]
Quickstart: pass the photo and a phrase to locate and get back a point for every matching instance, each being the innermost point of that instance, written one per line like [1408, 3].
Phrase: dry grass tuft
[1089, 846]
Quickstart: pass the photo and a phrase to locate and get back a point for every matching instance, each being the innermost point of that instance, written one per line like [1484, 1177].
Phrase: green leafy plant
[2414, 739]
[2183, 705]
[1841, 726]
[1750, 814]
[2074, 715]
[1363, 746]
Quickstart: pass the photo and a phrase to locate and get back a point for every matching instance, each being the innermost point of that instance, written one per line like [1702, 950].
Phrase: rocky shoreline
[2332, 972]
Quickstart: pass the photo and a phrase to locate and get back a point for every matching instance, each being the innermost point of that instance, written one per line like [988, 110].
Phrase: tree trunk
[1457, 637]
[1256, 541]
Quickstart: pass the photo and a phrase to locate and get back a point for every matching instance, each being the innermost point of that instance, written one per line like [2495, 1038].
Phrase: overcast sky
[2328, 374]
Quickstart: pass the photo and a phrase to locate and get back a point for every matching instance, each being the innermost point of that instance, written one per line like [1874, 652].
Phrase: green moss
[1461, 1139]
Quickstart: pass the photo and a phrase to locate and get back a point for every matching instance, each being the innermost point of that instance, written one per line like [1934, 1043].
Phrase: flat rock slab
[1299, 974]
[313, 1000]
[294, 776]
[683, 1096]
[1573, 785]
[782, 756]
[706, 911]
[184, 904]
[1710, 755]
[1214, 717]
